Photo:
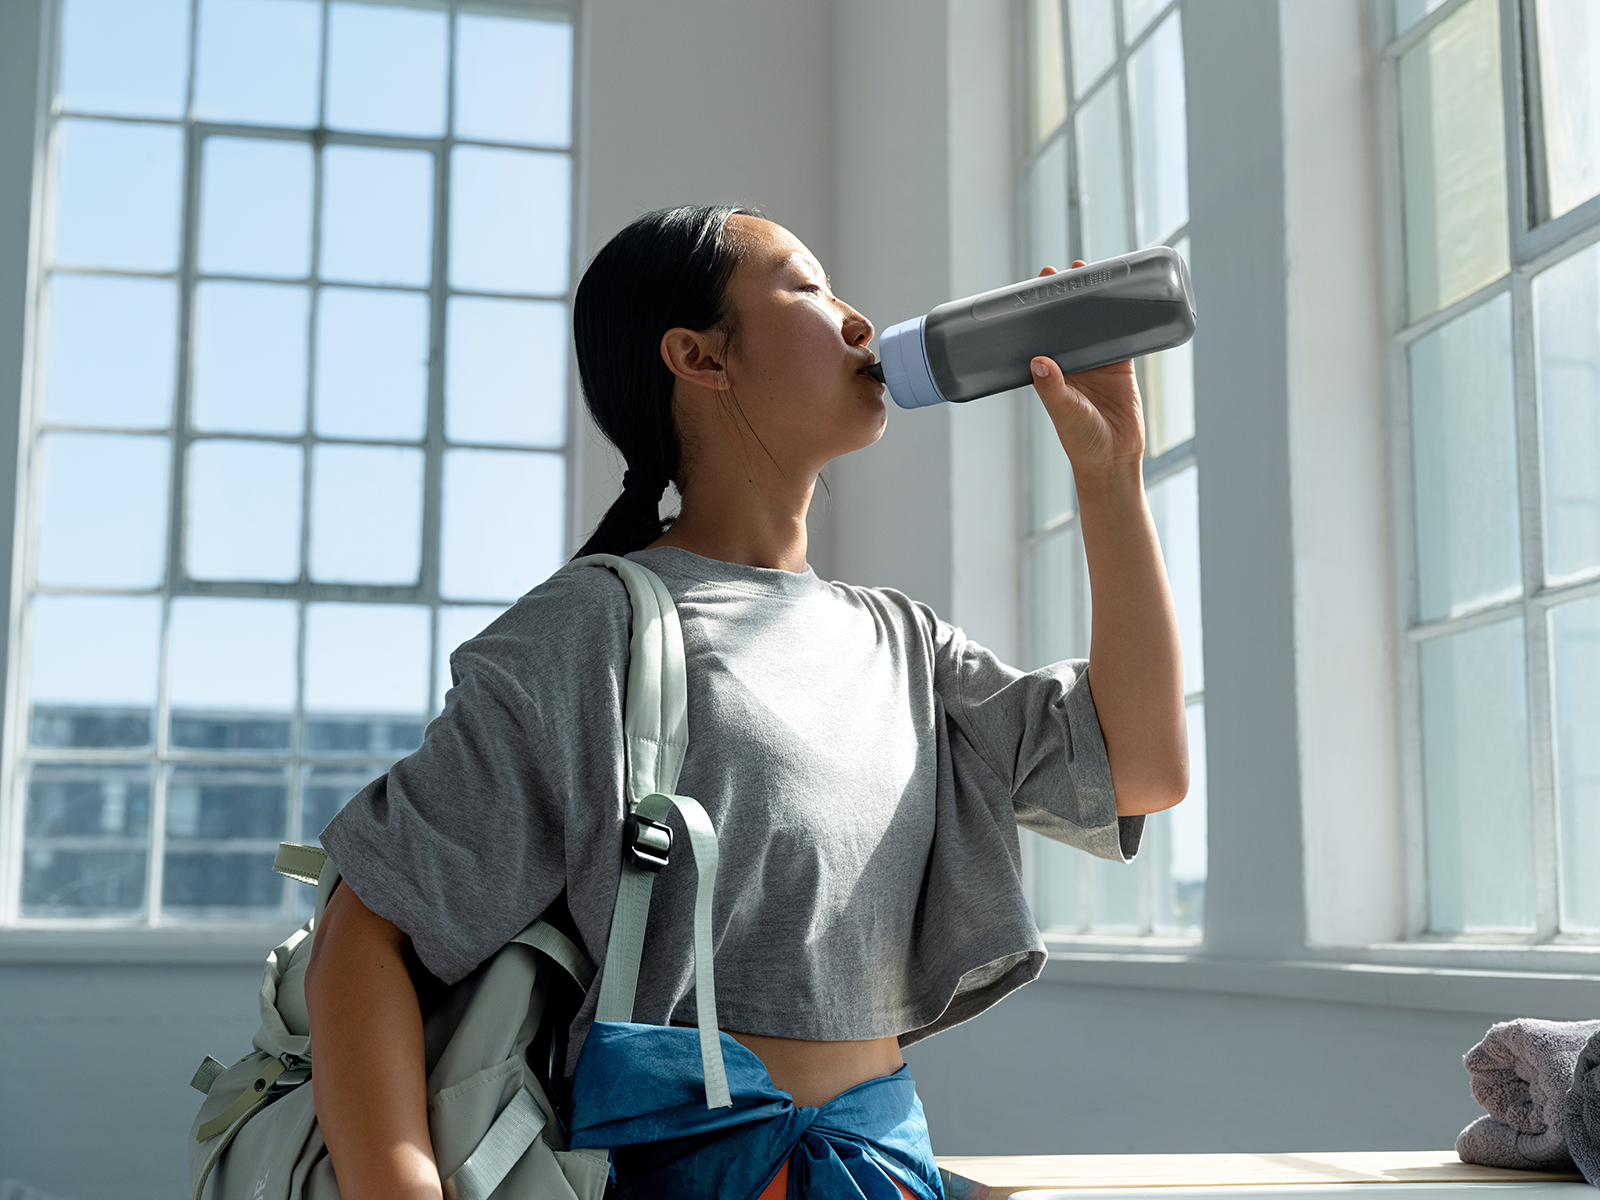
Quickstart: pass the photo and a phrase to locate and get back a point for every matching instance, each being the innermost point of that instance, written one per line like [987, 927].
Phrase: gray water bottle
[1087, 317]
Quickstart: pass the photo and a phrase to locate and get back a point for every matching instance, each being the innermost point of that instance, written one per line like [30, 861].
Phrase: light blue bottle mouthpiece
[906, 373]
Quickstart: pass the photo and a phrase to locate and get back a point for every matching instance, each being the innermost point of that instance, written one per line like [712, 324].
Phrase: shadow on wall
[11, 1189]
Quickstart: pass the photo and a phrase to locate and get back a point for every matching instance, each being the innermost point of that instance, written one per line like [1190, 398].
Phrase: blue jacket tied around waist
[639, 1089]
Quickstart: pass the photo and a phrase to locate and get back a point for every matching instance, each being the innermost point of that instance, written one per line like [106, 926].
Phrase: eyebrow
[804, 259]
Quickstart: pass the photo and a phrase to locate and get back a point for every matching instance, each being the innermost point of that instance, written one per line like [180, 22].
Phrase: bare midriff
[815, 1072]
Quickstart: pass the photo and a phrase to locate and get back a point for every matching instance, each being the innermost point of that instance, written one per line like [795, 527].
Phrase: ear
[695, 357]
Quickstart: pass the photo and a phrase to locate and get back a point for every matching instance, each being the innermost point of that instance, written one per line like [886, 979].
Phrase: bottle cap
[904, 354]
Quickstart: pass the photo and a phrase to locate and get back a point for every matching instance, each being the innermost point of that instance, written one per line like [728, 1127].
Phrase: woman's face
[795, 361]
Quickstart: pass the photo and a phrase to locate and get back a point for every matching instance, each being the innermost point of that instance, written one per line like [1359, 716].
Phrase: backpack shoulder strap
[656, 736]
[656, 714]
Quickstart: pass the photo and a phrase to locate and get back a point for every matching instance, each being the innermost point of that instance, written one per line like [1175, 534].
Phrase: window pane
[377, 215]
[112, 346]
[366, 514]
[1475, 780]
[372, 363]
[503, 521]
[1047, 208]
[327, 790]
[223, 829]
[1060, 884]
[510, 218]
[1136, 14]
[94, 666]
[1048, 65]
[506, 372]
[117, 195]
[250, 358]
[103, 510]
[231, 673]
[88, 836]
[1101, 204]
[1566, 304]
[255, 207]
[1575, 659]
[1160, 135]
[125, 59]
[1464, 441]
[1094, 40]
[1169, 392]
[258, 61]
[1116, 896]
[1061, 599]
[1569, 54]
[366, 678]
[1180, 880]
[386, 69]
[1452, 141]
[513, 80]
[1408, 12]
[459, 623]
[244, 511]
[1175, 505]
[1054, 494]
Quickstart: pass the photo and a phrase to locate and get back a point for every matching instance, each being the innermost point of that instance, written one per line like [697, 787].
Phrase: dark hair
[667, 270]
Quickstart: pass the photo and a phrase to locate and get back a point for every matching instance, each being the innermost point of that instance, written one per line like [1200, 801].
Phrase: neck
[759, 522]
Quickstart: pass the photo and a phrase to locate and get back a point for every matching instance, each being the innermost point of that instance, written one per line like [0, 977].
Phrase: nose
[858, 330]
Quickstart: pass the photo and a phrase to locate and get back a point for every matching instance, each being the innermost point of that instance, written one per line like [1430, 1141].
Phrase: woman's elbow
[1158, 792]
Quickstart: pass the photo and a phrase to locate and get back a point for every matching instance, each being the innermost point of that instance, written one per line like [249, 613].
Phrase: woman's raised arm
[1135, 662]
[369, 1081]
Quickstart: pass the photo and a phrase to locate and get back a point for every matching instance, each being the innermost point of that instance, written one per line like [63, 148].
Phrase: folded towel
[1490, 1143]
[1520, 1073]
[1582, 1112]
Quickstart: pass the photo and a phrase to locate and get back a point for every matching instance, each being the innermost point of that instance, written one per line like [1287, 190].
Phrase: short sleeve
[470, 838]
[1038, 731]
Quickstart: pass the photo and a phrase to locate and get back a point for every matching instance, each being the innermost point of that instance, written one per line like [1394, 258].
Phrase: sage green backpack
[495, 1132]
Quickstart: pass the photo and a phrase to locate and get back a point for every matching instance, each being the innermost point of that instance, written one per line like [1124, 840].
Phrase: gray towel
[1583, 1112]
[1520, 1073]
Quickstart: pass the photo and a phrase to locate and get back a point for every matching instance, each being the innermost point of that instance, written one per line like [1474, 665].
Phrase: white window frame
[1532, 249]
[158, 756]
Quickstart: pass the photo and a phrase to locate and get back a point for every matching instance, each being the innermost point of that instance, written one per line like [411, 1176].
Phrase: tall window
[1497, 124]
[1107, 172]
[297, 427]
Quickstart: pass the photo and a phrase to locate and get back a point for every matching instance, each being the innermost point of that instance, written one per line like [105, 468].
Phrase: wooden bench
[992, 1178]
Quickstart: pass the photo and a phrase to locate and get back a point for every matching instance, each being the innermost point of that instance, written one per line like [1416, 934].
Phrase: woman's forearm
[1135, 661]
[369, 1076]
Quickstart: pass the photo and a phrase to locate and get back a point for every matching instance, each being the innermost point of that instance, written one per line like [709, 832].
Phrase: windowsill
[224, 945]
[1557, 983]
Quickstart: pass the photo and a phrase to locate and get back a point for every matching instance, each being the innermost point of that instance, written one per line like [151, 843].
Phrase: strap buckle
[649, 846]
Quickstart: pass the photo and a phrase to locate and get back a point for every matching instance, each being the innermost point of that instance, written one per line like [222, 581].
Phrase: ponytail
[667, 270]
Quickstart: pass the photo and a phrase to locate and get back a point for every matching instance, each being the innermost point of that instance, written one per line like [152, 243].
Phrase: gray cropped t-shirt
[866, 768]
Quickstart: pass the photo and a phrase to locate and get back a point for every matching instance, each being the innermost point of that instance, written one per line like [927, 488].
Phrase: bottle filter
[1087, 317]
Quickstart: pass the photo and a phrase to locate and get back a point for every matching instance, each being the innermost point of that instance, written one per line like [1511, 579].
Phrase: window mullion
[1535, 626]
[1403, 525]
[188, 252]
[433, 438]
[1530, 180]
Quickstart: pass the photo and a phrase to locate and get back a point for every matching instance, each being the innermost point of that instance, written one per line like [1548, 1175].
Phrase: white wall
[1350, 797]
